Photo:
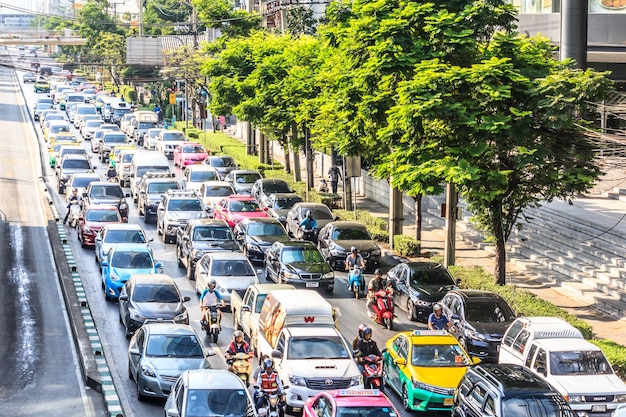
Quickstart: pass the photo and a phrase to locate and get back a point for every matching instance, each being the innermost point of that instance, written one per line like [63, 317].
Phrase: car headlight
[182, 316]
[328, 275]
[148, 371]
[574, 398]
[420, 385]
[222, 290]
[476, 335]
[419, 302]
[134, 315]
[113, 276]
[376, 252]
[619, 398]
[297, 380]
[291, 275]
[124, 206]
[254, 248]
[356, 380]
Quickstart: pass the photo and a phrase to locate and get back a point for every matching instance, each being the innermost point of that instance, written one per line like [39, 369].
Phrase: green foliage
[615, 353]
[406, 245]
[161, 17]
[222, 15]
[375, 225]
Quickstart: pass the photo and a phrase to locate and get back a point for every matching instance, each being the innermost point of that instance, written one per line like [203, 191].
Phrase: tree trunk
[297, 174]
[286, 151]
[418, 222]
[499, 277]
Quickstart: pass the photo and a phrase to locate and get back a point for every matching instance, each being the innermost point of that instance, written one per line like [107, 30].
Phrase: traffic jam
[234, 297]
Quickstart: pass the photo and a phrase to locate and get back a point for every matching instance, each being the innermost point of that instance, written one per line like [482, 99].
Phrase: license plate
[198, 162]
[448, 401]
[598, 408]
[312, 284]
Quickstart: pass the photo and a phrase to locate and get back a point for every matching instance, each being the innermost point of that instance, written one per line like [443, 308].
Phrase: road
[38, 366]
[352, 312]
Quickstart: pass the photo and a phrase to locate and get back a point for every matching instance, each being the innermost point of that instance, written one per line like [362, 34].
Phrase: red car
[363, 402]
[189, 153]
[236, 208]
[92, 219]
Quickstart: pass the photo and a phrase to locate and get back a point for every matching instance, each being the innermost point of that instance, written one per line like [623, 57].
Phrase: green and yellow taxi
[424, 367]
[65, 138]
[42, 86]
[115, 154]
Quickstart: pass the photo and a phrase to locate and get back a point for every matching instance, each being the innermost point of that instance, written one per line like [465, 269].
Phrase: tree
[507, 131]
[222, 15]
[300, 21]
[160, 18]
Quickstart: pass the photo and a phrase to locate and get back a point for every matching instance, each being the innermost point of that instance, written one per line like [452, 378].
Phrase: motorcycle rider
[308, 223]
[208, 299]
[376, 284]
[365, 347]
[352, 260]
[268, 381]
[359, 336]
[237, 345]
[73, 198]
[111, 173]
[437, 320]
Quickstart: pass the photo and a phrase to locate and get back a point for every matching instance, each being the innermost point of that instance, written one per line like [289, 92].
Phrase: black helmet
[74, 190]
[367, 330]
[378, 272]
[309, 214]
[268, 364]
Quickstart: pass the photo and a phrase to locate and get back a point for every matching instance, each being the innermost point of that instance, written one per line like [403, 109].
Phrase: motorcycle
[373, 372]
[273, 406]
[384, 308]
[212, 327]
[307, 234]
[241, 366]
[74, 213]
[355, 283]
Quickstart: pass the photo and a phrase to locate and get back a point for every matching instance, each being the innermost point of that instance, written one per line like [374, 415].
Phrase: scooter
[384, 308]
[241, 366]
[307, 234]
[212, 328]
[373, 372]
[74, 213]
[273, 406]
[355, 284]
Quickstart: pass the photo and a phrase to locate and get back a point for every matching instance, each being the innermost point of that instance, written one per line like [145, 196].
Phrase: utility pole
[574, 26]
[141, 4]
[452, 199]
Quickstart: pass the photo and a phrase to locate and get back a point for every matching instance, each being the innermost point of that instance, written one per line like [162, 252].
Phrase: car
[109, 193]
[150, 297]
[195, 175]
[98, 133]
[29, 77]
[40, 108]
[80, 181]
[114, 157]
[321, 213]
[71, 164]
[222, 163]
[41, 87]
[65, 139]
[242, 180]
[92, 219]
[89, 127]
[53, 128]
[43, 100]
[231, 270]
[300, 264]
[263, 187]
[350, 402]
[150, 137]
[125, 159]
[158, 353]
[480, 319]
[112, 234]
[255, 235]
[168, 140]
[424, 367]
[81, 110]
[60, 149]
[123, 260]
[336, 239]
[507, 390]
[107, 143]
[190, 153]
[125, 122]
[175, 209]
[209, 392]
[418, 286]
[235, 208]
[71, 98]
[279, 204]
[212, 192]
[49, 114]
[150, 190]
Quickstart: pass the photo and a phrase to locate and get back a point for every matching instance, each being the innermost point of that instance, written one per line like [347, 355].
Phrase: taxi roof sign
[359, 392]
[429, 332]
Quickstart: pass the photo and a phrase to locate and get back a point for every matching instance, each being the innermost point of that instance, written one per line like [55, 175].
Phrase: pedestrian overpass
[42, 38]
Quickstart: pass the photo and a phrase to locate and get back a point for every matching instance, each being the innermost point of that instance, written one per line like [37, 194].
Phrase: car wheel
[410, 310]
[191, 273]
[267, 275]
[405, 398]
[130, 371]
[215, 335]
[122, 183]
[140, 396]
[179, 258]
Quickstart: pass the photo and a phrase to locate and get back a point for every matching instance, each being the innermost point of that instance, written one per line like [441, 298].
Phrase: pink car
[361, 402]
[236, 208]
[189, 153]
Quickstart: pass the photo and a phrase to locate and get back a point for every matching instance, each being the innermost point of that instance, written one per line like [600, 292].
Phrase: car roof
[430, 337]
[244, 171]
[152, 279]
[217, 183]
[273, 220]
[285, 195]
[207, 222]
[421, 266]
[201, 168]
[170, 329]
[212, 379]
[272, 180]
[514, 379]
[123, 226]
[360, 398]
[573, 344]
[319, 331]
[476, 295]
[104, 184]
[347, 225]
[307, 205]
[298, 243]
[102, 207]
[131, 247]
[229, 256]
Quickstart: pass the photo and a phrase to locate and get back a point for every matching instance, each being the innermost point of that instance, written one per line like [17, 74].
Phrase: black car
[300, 264]
[321, 214]
[104, 192]
[418, 286]
[150, 297]
[222, 163]
[150, 190]
[279, 204]
[262, 189]
[242, 180]
[480, 319]
[336, 239]
[256, 235]
[507, 391]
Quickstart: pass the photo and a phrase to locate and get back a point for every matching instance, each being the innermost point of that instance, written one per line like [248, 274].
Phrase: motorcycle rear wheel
[388, 323]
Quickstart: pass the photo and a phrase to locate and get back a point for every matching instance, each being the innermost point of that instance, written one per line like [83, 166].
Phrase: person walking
[334, 175]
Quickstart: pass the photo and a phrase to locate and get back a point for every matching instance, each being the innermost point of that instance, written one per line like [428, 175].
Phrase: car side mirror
[336, 218]
[542, 370]
[172, 412]
[151, 240]
[186, 298]
[127, 195]
[277, 354]
[475, 360]
[246, 308]
[400, 361]
[210, 352]
[133, 351]
[456, 317]
[185, 237]
[161, 208]
[123, 297]
[158, 265]
[104, 263]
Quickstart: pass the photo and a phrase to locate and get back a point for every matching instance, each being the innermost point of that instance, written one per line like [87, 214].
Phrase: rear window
[76, 164]
[86, 110]
[114, 138]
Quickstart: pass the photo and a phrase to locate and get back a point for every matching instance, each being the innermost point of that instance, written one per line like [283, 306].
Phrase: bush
[615, 353]
[406, 245]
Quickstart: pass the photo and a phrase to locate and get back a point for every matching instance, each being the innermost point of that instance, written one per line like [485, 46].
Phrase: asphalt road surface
[38, 365]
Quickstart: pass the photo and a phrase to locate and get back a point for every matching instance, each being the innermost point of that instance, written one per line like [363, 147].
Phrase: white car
[195, 175]
[214, 191]
[168, 140]
[150, 138]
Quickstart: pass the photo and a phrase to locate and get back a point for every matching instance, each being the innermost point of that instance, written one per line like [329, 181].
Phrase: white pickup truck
[246, 310]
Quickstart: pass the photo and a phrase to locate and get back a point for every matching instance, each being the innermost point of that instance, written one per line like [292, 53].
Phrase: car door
[202, 272]
[125, 304]
[401, 289]
[399, 349]
[240, 233]
[136, 346]
[272, 262]
[453, 309]
[323, 241]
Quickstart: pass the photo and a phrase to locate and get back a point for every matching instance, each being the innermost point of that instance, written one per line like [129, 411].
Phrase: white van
[143, 162]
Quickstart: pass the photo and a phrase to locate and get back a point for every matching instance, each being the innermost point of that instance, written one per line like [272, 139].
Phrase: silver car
[112, 234]
[231, 270]
[158, 354]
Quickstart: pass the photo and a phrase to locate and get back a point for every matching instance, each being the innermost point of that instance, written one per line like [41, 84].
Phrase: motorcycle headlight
[181, 317]
[148, 371]
[356, 380]
[297, 380]
[134, 315]
[124, 206]
[291, 275]
[328, 275]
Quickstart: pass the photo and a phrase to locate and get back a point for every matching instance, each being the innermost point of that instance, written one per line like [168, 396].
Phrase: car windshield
[234, 267]
[76, 164]
[184, 205]
[131, 260]
[362, 411]
[127, 157]
[201, 176]
[272, 187]
[351, 234]
[145, 125]
[439, 356]
[285, 203]
[161, 187]
[173, 346]
[153, 293]
[57, 129]
[218, 402]
[295, 254]
[587, 362]
[247, 178]
[488, 312]
[212, 233]
[83, 182]
[223, 162]
[432, 276]
[311, 347]
[125, 236]
[240, 206]
[107, 191]
[73, 151]
[173, 136]
[218, 191]
[98, 215]
[193, 149]
[93, 123]
[86, 110]
[536, 405]
[114, 138]
[265, 229]
[318, 213]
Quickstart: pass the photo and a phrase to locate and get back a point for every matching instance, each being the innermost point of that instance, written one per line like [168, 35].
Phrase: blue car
[122, 261]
